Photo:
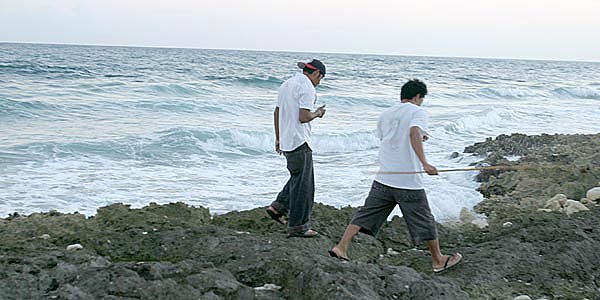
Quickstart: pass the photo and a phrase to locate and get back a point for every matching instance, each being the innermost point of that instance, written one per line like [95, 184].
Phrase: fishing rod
[501, 167]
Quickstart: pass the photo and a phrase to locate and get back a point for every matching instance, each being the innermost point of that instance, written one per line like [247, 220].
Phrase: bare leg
[437, 258]
[341, 249]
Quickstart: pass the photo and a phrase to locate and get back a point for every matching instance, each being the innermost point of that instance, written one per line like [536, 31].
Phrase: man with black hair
[402, 131]
[292, 117]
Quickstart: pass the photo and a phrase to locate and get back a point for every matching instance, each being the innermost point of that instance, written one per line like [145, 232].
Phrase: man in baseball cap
[293, 114]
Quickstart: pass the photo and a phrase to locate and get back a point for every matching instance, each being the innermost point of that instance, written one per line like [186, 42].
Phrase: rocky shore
[536, 245]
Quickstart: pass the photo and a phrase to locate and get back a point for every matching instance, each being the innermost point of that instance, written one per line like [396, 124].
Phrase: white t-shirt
[295, 93]
[396, 154]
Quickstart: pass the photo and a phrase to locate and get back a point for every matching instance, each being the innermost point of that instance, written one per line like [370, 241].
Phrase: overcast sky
[536, 29]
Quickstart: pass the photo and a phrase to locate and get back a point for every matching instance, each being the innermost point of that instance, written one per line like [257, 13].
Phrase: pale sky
[533, 29]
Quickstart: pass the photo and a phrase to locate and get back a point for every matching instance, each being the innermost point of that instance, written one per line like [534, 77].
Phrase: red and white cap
[314, 64]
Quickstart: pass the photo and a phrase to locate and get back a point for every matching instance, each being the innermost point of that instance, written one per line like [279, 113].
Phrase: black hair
[412, 88]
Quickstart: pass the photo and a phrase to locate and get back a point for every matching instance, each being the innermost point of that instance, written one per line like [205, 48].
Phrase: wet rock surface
[180, 252]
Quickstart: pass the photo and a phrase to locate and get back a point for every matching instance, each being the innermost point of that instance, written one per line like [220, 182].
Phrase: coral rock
[573, 206]
[466, 216]
[557, 202]
[481, 223]
[593, 194]
[74, 247]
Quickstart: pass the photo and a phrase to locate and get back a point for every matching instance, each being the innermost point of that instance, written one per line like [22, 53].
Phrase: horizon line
[300, 51]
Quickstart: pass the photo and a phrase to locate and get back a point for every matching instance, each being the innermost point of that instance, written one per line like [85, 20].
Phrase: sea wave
[269, 82]
[174, 106]
[180, 144]
[263, 82]
[490, 118]
[495, 93]
[165, 147]
[27, 68]
[173, 89]
[577, 93]
[509, 93]
[356, 101]
[122, 75]
[26, 109]
[345, 142]
[32, 109]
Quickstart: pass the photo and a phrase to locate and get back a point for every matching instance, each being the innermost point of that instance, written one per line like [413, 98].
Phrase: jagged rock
[74, 247]
[466, 216]
[560, 203]
[268, 286]
[391, 251]
[573, 206]
[522, 297]
[507, 224]
[556, 203]
[481, 223]
[593, 194]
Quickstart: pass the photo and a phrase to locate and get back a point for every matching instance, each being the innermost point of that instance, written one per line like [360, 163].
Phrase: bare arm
[416, 141]
[307, 116]
[276, 122]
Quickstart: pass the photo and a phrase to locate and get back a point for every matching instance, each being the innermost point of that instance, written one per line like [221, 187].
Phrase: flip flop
[446, 265]
[275, 216]
[333, 254]
[304, 234]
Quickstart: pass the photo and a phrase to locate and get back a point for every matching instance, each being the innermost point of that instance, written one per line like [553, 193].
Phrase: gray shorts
[414, 206]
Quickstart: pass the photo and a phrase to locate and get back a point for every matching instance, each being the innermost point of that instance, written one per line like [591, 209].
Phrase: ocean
[85, 126]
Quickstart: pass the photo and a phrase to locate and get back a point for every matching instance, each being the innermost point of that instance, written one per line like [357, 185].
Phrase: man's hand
[321, 110]
[277, 148]
[430, 170]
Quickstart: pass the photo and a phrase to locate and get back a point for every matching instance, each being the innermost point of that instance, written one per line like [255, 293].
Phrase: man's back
[396, 153]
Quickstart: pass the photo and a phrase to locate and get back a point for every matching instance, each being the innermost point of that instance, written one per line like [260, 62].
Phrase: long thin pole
[519, 167]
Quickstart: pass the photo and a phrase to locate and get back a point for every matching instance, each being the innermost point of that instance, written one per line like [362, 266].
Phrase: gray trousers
[297, 196]
[414, 206]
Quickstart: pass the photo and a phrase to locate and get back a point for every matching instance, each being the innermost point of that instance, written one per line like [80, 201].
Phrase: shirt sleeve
[420, 120]
[306, 97]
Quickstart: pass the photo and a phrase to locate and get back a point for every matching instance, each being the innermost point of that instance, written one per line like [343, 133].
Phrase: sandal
[277, 217]
[447, 264]
[333, 254]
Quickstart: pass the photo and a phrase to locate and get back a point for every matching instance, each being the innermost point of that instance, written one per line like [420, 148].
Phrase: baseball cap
[314, 64]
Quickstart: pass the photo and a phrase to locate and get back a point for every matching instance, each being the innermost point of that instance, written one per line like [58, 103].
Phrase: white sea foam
[484, 120]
